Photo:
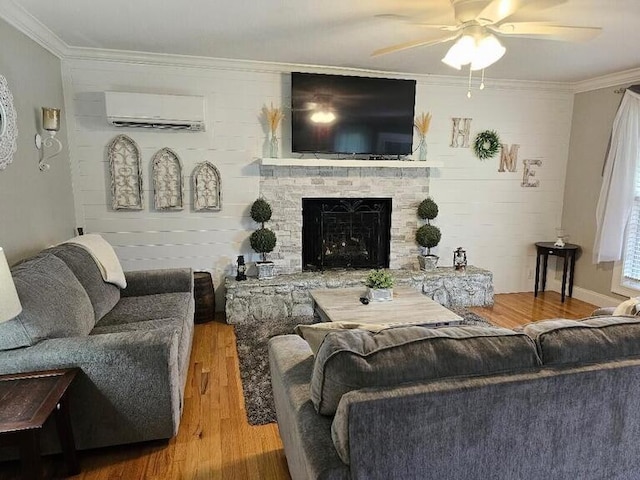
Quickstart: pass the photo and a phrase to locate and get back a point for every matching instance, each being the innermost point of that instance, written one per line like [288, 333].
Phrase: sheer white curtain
[617, 191]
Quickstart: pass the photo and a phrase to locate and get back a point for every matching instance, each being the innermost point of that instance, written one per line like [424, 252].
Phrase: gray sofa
[132, 346]
[559, 399]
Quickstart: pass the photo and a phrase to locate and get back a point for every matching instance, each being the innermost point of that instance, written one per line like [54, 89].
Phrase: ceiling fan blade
[414, 44]
[392, 16]
[534, 6]
[498, 10]
[444, 28]
[546, 31]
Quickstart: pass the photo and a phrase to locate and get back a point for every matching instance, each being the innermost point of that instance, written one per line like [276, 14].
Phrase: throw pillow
[54, 304]
[628, 307]
[315, 333]
[354, 359]
[104, 296]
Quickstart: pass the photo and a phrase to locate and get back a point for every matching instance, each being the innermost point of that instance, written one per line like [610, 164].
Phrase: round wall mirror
[8, 126]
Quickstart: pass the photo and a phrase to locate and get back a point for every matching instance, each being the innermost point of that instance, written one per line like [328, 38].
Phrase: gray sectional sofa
[559, 399]
[132, 346]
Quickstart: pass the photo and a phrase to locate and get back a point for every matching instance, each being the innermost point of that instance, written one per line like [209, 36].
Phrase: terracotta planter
[428, 263]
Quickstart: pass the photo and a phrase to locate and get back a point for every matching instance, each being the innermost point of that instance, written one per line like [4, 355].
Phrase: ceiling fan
[478, 22]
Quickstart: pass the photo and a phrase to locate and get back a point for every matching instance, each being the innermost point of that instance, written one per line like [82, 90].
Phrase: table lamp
[9, 302]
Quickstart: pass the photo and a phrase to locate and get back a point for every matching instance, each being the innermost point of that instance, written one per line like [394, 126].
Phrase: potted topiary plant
[379, 285]
[263, 240]
[428, 236]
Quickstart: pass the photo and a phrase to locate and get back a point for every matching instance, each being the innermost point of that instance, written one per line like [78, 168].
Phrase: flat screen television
[351, 115]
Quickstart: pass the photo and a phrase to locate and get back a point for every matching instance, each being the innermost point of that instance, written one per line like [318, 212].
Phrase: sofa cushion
[315, 333]
[103, 295]
[591, 340]
[147, 307]
[353, 359]
[54, 304]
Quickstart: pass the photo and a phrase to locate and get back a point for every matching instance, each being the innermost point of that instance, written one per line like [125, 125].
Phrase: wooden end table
[568, 253]
[27, 400]
[204, 296]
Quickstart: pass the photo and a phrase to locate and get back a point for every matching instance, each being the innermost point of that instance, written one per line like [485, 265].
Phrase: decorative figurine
[460, 259]
[242, 269]
[561, 236]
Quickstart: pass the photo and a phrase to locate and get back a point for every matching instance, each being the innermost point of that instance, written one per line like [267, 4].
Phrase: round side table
[568, 253]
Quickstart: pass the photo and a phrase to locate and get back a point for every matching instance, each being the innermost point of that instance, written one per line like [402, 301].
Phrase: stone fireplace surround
[287, 295]
[285, 186]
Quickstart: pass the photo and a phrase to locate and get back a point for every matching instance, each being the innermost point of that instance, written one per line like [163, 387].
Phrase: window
[626, 273]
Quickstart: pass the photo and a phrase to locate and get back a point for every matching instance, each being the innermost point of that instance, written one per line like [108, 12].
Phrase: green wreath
[486, 144]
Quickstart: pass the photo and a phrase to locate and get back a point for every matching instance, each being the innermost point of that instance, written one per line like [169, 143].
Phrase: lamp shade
[9, 302]
[488, 51]
[461, 52]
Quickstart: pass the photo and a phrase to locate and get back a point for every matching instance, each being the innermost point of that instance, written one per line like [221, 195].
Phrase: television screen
[351, 115]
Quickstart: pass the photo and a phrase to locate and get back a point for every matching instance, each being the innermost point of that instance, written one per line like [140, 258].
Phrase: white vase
[273, 146]
[422, 149]
[380, 294]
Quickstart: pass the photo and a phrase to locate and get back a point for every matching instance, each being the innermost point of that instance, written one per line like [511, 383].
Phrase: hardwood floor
[215, 441]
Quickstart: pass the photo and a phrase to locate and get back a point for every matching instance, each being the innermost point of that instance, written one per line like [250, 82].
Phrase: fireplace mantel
[348, 163]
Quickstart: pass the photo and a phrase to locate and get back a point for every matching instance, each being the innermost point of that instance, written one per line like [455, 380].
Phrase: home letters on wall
[126, 175]
[460, 132]
[529, 173]
[207, 188]
[508, 157]
[167, 180]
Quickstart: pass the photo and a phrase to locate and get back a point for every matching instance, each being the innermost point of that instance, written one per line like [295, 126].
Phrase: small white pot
[380, 294]
[428, 263]
[266, 270]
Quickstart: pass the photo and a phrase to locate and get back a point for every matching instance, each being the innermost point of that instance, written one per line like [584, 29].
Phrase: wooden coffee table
[27, 400]
[408, 306]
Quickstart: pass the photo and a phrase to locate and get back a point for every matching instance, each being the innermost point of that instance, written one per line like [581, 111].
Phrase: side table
[204, 296]
[568, 253]
[27, 400]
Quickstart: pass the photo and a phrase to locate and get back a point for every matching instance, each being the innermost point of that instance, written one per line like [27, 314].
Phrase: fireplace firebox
[342, 233]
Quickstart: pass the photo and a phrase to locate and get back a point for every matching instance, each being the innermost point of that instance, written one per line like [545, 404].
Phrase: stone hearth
[287, 295]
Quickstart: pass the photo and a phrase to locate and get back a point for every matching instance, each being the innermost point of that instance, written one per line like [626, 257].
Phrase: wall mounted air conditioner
[167, 112]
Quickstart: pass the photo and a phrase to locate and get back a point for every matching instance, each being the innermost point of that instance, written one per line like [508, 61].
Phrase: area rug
[252, 342]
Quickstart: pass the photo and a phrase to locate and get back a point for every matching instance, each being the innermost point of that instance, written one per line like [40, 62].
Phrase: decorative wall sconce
[50, 123]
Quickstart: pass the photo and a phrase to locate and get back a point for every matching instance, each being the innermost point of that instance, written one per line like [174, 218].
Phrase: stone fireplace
[340, 233]
[285, 187]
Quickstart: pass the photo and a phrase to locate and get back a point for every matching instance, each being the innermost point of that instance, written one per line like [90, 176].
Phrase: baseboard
[585, 295]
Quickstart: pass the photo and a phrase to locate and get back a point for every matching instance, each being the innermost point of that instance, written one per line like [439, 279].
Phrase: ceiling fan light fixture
[488, 51]
[461, 52]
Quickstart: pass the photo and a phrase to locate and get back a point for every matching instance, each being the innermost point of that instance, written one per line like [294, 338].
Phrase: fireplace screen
[345, 233]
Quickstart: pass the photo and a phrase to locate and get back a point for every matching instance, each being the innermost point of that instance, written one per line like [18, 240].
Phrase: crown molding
[607, 81]
[82, 54]
[18, 17]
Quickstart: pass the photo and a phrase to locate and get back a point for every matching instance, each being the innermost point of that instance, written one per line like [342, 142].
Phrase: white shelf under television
[346, 163]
